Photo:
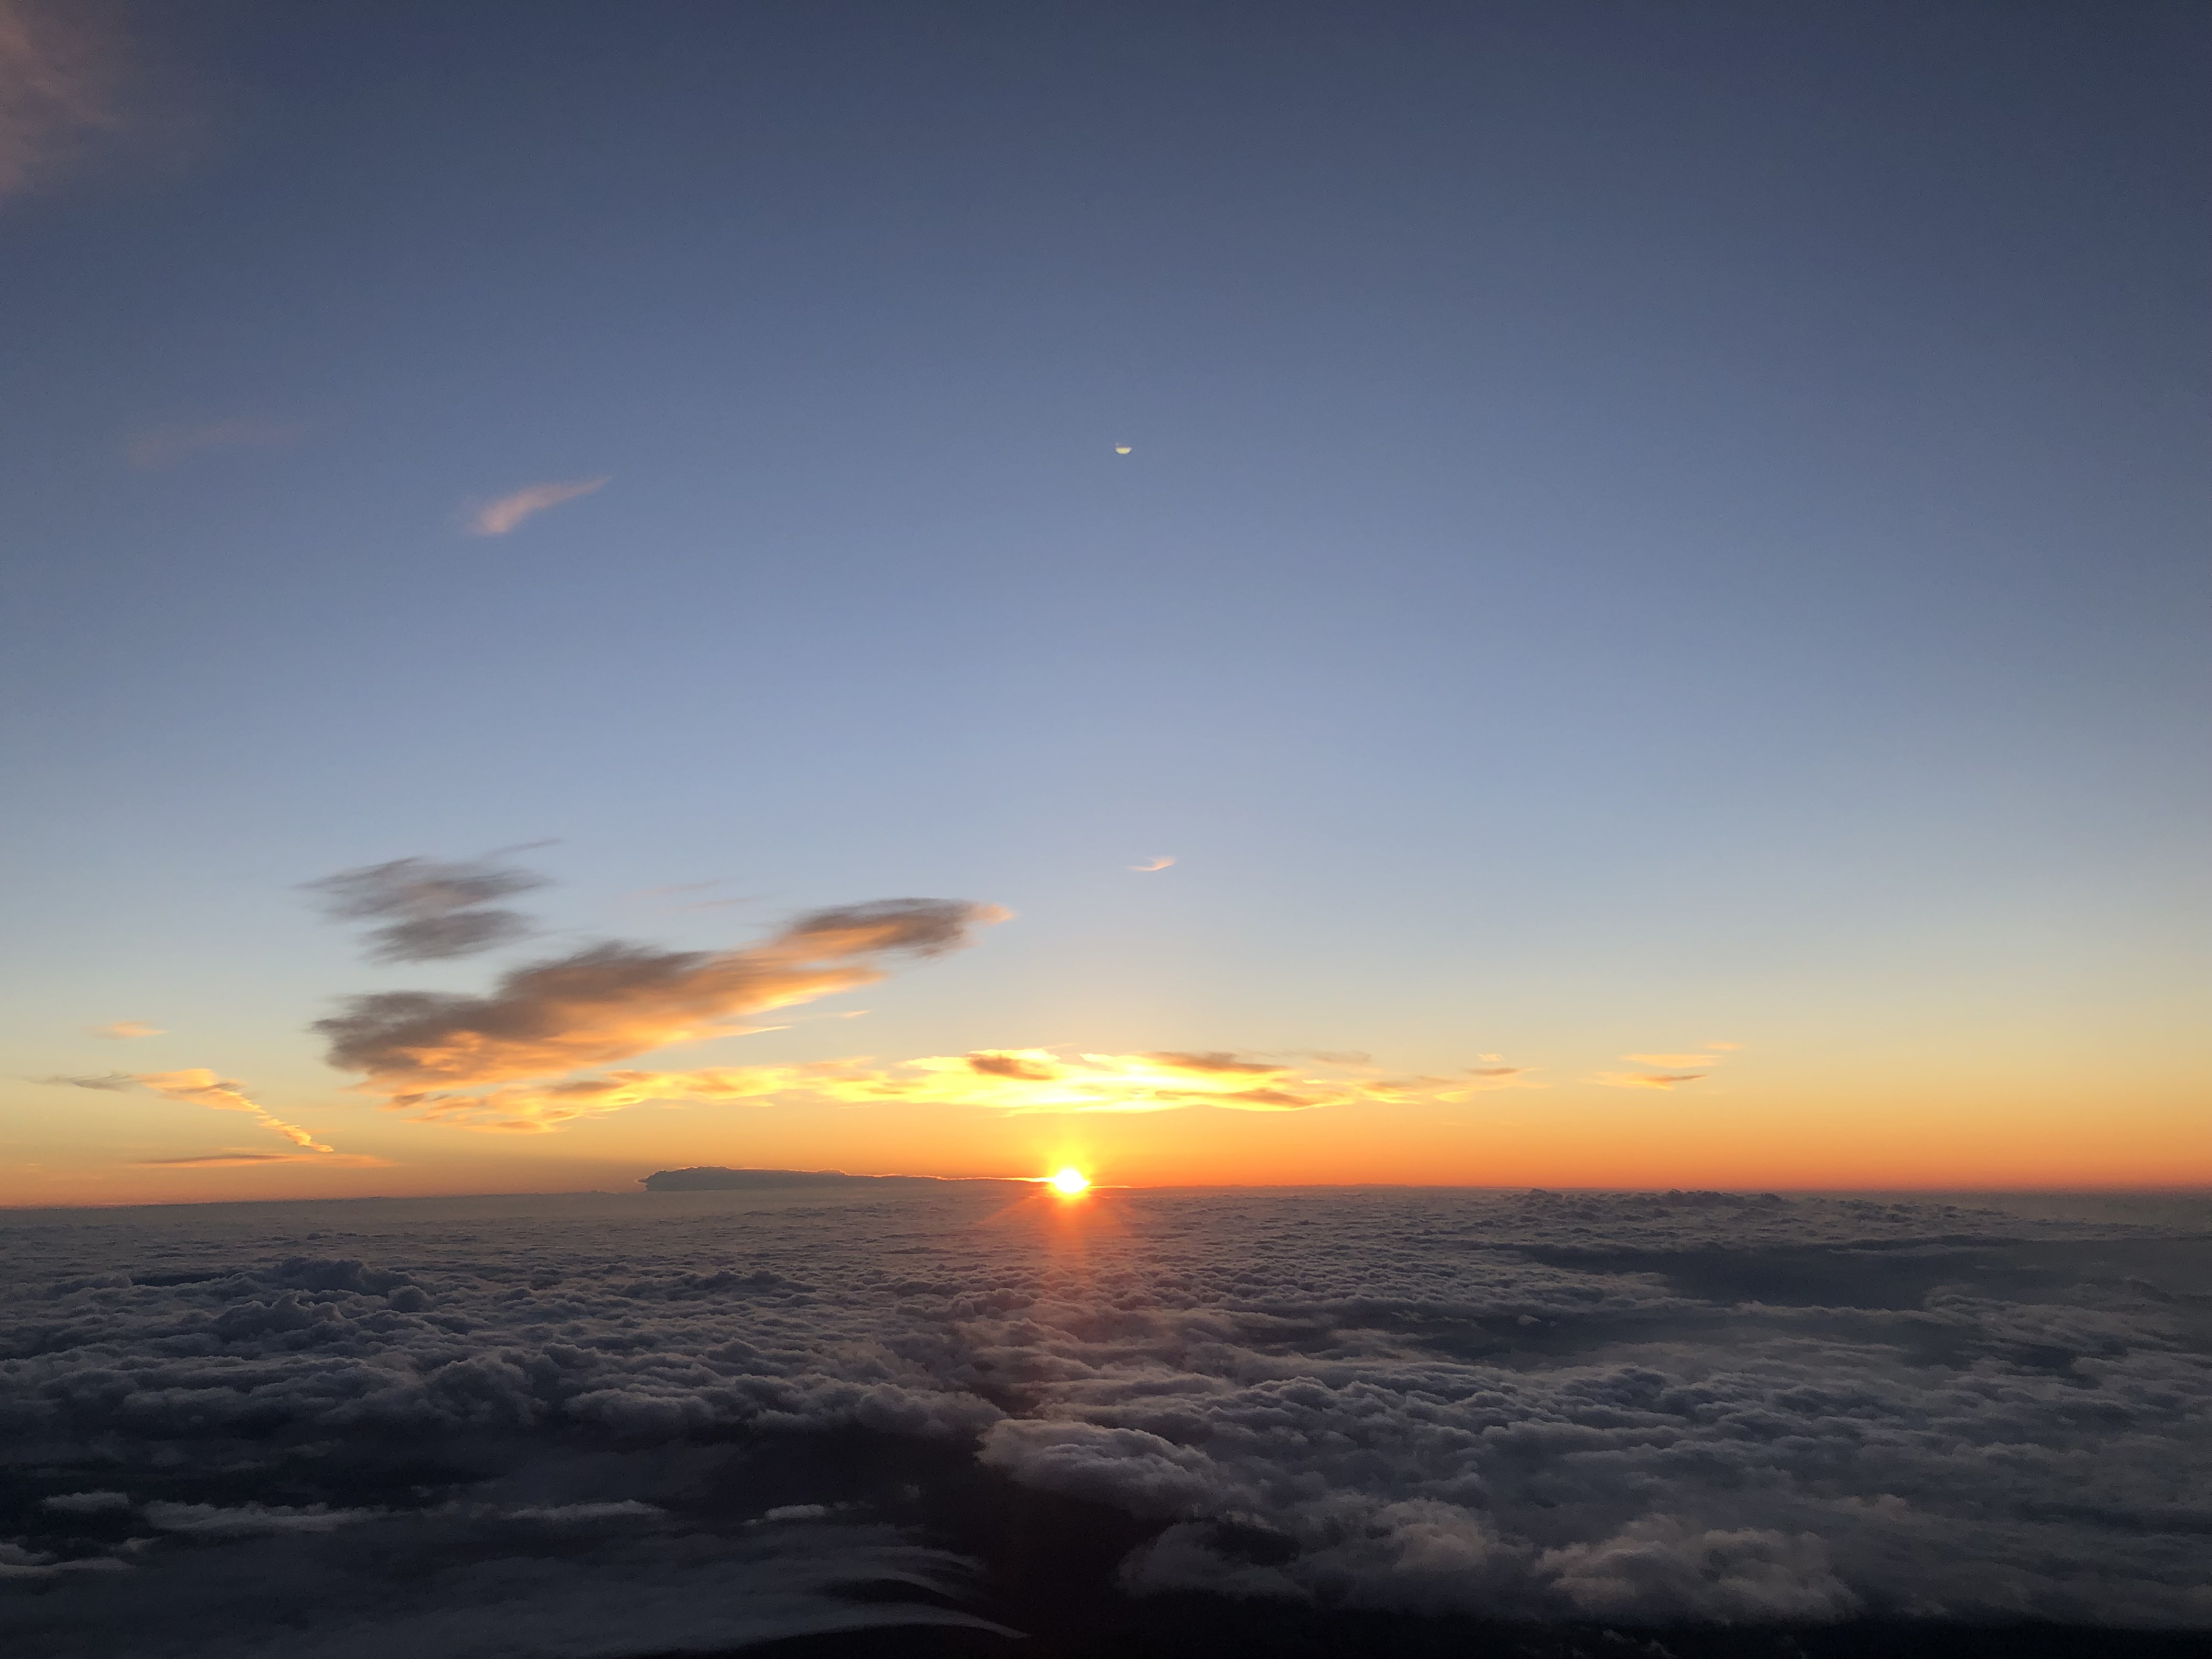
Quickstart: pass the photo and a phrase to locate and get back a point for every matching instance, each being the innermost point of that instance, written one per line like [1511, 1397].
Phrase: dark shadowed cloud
[609, 1001]
[431, 910]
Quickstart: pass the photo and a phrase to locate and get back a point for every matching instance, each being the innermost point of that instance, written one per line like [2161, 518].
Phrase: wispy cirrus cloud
[61, 85]
[243, 1160]
[1011, 1081]
[198, 1086]
[499, 516]
[165, 445]
[1161, 862]
[124, 1030]
[1675, 1072]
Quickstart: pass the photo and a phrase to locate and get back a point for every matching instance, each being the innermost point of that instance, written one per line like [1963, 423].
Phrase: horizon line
[2193, 1190]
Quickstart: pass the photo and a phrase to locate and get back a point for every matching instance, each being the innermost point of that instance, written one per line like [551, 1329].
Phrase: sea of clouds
[631, 1423]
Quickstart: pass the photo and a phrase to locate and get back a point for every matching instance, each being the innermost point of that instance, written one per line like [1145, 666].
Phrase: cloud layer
[1689, 1408]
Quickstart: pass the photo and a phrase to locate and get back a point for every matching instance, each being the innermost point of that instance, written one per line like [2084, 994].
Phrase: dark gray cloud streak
[430, 910]
[1627, 1410]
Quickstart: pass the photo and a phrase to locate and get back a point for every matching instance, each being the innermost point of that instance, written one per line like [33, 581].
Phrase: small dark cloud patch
[998, 1063]
[429, 909]
[1217, 1061]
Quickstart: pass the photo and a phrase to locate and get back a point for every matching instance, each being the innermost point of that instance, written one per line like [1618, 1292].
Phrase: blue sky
[1639, 525]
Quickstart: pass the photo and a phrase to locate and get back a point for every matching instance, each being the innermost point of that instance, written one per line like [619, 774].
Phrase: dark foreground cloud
[601, 1425]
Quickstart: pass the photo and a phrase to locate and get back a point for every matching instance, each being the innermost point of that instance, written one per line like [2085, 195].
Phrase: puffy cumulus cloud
[317, 1428]
[1007, 1080]
[1666, 1567]
[1128, 1469]
[430, 909]
[506, 512]
[609, 1001]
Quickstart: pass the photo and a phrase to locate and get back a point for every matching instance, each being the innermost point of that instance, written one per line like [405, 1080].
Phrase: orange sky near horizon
[1564, 1138]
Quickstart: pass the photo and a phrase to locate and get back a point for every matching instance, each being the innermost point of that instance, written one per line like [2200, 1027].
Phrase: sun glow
[1069, 1182]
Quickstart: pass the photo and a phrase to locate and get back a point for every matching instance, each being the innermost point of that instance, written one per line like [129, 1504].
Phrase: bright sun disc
[1068, 1182]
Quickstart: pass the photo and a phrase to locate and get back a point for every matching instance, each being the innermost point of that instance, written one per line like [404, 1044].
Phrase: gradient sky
[1644, 528]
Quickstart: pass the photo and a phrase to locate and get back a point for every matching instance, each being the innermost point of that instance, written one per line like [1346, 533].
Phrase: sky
[1565, 594]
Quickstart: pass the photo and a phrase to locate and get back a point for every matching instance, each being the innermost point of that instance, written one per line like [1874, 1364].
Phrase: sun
[1068, 1182]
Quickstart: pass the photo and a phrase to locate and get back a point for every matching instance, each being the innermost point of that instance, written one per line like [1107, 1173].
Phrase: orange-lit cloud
[1011, 1081]
[60, 84]
[496, 518]
[610, 1001]
[1710, 1055]
[197, 1086]
[164, 445]
[124, 1028]
[200, 1087]
[253, 1160]
[1160, 862]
